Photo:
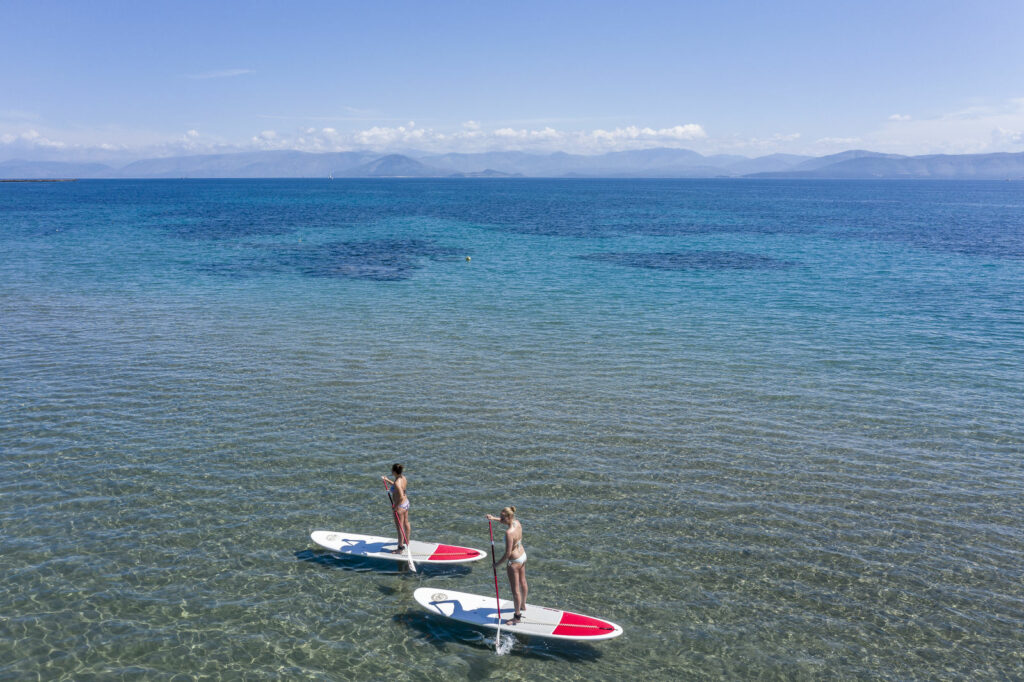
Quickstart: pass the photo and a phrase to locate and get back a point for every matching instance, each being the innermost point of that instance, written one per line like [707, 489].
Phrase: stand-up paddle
[497, 599]
[401, 531]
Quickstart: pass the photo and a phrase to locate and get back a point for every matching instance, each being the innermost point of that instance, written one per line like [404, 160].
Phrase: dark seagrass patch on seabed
[378, 259]
[691, 260]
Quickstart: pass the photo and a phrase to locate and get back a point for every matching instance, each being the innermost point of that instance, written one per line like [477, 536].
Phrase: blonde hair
[509, 511]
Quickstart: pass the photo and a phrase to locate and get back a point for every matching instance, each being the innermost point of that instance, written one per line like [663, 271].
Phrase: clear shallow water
[772, 429]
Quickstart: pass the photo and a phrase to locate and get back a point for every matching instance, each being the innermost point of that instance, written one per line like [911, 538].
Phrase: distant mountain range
[648, 163]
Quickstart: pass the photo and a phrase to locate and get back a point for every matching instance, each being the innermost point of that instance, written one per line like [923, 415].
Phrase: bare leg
[514, 585]
[522, 588]
[398, 529]
[517, 581]
[401, 524]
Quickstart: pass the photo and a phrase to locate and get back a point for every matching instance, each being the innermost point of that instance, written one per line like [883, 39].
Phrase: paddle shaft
[497, 599]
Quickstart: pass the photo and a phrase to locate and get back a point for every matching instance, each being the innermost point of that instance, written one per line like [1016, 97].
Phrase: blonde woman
[515, 555]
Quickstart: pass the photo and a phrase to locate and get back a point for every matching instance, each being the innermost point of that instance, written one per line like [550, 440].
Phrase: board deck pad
[538, 621]
[381, 548]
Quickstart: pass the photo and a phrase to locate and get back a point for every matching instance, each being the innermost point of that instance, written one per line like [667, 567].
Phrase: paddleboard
[538, 621]
[381, 548]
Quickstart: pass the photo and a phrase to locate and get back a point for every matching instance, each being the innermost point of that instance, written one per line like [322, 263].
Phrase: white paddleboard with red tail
[538, 621]
[375, 547]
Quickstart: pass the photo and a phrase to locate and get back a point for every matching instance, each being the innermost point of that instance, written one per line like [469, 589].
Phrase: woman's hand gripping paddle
[401, 531]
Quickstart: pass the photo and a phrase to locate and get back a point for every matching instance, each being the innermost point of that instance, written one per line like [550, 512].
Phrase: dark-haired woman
[400, 505]
[515, 555]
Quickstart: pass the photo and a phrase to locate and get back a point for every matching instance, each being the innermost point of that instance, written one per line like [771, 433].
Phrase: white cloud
[525, 136]
[384, 137]
[752, 146]
[110, 144]
[474, 137]
[223, 73]
[1014, 137]
[844, 142]
[690, 131]
[972, 130]
[269, 139]
[191, 142]
[31, 138]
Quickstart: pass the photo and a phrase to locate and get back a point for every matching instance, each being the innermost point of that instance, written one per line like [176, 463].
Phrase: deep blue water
[772, 428]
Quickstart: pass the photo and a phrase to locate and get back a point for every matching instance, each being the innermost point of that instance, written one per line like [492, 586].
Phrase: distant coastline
[855, 164]
[38, 179]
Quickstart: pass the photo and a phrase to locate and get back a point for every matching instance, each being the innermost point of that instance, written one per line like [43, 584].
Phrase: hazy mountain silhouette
[271, 164]
[647, 163]
[817, 162]
[866, 166]
[49, 170]
[395, 166]
[486, 173]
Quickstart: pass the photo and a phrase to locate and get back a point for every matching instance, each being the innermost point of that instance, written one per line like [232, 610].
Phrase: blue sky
[106, 80]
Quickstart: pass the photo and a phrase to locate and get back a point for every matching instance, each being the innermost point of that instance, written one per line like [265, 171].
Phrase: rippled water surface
[773, 429]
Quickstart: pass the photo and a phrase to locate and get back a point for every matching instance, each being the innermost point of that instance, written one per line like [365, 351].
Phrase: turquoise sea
[774, 429]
